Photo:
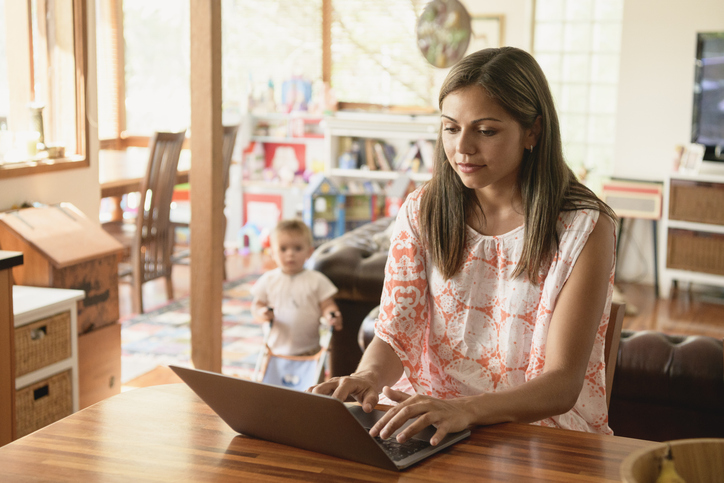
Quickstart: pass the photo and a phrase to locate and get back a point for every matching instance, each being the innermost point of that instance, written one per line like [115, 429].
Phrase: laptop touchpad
[367, 420]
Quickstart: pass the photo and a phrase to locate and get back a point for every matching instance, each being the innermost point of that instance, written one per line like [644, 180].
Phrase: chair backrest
[228, 149]
[610, 350]
[153, 239]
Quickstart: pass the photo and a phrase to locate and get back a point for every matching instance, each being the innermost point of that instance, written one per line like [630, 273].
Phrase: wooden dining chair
[227, 149]
[610, 348]
[150, 239]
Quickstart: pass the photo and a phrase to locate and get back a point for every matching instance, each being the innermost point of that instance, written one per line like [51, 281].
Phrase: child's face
[290, 250]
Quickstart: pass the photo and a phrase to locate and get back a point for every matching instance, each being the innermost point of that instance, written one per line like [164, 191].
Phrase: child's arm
[331, 313]
[261, 311]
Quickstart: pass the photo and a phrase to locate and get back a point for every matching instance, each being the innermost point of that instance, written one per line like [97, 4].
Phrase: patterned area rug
[163, 336]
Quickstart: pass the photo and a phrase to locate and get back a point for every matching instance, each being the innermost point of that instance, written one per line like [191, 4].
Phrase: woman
[499, 278]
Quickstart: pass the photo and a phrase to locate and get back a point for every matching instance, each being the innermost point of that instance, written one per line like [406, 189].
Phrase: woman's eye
[487, 132]
[450, 129]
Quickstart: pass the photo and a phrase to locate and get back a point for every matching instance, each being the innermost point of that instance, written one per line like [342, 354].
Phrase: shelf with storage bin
[46, 355]
[299, 136]
[397, 129]
[694, 224]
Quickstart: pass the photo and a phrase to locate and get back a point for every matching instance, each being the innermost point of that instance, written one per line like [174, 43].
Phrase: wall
[518, 17]
[655, 101]
[656, 81]
[77, 186]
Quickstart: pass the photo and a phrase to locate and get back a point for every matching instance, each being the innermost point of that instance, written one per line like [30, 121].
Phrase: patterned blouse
[483, 330]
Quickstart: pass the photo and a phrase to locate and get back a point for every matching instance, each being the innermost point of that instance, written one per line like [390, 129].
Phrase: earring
[531, 148]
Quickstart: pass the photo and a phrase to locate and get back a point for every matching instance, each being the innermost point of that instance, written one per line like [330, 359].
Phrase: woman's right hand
[359, 386]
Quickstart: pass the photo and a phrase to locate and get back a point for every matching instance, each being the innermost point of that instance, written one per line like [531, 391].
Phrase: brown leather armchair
[668, 387]
[355, 263]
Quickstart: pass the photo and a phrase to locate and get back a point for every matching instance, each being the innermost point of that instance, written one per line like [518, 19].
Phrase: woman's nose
[466, 145]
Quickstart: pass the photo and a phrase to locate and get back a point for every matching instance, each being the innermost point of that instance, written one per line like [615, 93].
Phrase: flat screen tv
[707, 126]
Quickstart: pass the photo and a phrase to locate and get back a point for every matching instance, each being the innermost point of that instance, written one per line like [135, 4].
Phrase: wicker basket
[42, 403]
[696, 201]
[42, 343]
[695, 251]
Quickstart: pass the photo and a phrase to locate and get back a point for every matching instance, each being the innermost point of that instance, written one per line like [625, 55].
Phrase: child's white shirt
[295, 300]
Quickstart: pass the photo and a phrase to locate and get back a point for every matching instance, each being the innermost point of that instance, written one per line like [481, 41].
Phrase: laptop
[309, 421]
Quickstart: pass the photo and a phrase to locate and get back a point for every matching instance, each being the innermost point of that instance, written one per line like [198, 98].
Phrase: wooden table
[165, 433]
[121, 172]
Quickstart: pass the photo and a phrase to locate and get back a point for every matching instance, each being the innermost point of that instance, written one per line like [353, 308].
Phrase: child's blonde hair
[293, 225]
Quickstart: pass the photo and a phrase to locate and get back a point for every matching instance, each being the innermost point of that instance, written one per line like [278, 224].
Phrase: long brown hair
[547, 185]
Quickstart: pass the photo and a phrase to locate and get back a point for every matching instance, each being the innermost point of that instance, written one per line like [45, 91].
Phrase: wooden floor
[685, 313]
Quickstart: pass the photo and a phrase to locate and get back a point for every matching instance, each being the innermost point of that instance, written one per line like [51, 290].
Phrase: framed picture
[691, 158]
[487, 31]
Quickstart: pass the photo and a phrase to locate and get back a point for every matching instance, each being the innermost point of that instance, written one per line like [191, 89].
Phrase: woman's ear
[533, 134]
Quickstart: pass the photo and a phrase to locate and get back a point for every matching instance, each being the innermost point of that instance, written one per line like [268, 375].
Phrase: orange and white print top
[483, 330]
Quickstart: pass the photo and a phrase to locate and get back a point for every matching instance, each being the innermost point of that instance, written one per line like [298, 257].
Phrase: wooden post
[206, 185]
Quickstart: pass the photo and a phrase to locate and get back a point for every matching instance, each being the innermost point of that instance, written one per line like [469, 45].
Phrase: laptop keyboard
[400, 451]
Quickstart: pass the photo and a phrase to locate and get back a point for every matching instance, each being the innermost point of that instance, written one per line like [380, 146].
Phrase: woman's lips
[469, 168]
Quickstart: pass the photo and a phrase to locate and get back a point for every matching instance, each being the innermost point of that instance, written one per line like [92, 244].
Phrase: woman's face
[482, 142]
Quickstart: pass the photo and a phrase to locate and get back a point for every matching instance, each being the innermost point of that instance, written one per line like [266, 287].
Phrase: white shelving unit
[709, 177]
[393, 127]
[280, 130]
[34, 304]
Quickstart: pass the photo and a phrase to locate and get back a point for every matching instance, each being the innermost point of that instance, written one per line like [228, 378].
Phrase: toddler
[292, 297]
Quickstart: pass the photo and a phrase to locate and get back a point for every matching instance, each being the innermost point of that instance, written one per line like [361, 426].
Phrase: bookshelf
[396, 131]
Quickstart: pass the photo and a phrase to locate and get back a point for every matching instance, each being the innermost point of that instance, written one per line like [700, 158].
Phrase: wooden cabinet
[64, 249]
[45, 355]
[694, 228]
[8, 260]
[99, 364]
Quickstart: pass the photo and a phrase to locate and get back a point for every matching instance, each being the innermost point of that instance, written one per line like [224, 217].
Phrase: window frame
[73, 161]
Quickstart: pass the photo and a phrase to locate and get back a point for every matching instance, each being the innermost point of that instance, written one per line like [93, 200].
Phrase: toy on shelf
[364, 202]
[249, 239]
[323, 209]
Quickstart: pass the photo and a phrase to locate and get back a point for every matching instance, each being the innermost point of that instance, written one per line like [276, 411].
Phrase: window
[4, 85]
[577, 44]
[264, 43]
[371, 45]
[46, 75]
[375, 58]
[157, 66]
[267, 43]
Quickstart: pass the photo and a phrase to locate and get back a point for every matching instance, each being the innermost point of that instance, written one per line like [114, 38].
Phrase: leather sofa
[668, 387]
[355, 263]
[665, 386]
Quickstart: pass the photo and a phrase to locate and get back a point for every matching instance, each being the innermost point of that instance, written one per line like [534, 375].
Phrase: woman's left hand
[447, 416]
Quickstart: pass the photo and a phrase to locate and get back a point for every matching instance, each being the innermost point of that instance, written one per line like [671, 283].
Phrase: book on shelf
[406, 161]
[369, 152]
[427, 153]
[381, 157]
